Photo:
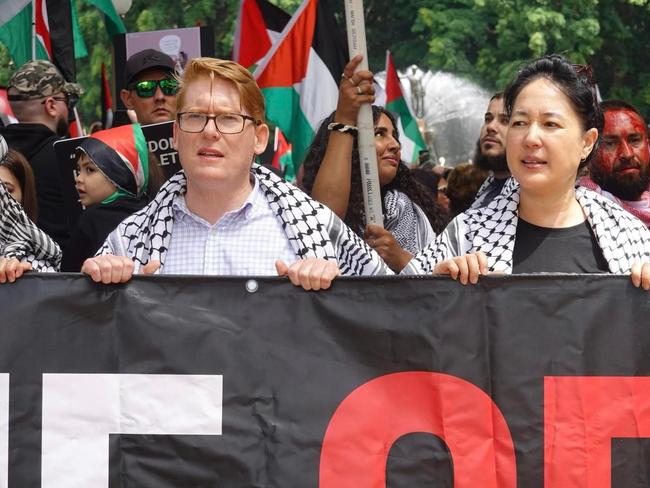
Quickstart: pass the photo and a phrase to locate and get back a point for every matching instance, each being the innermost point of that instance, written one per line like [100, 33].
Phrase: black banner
[195, 382]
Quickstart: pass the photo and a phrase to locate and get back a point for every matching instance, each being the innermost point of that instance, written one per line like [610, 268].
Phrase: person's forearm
[333, 181]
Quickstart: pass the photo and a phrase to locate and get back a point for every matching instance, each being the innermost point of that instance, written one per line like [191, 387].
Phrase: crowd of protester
[559, 183]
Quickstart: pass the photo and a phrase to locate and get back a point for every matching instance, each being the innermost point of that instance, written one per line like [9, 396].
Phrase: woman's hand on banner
[465, 269]
[311, 274]
[11, 269]
[640, 274]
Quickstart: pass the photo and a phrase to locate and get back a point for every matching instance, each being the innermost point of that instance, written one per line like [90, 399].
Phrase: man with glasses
[42, 100]
[150, 86]
[224, 215]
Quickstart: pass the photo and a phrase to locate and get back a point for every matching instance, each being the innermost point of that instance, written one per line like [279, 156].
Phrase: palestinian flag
[16, 31]
[112, 20]
[300, 76]
[107, 101]
[42, 27]
[409, 133]
[54, 26]
[282, 157]
[259, 24]
[126, 159]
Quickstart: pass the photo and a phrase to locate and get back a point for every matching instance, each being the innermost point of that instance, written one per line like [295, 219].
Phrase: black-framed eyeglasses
[147, 88]
[225, 123]
[69, 100]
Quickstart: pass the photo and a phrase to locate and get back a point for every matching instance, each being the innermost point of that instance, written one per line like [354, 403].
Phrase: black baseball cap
[144, 60]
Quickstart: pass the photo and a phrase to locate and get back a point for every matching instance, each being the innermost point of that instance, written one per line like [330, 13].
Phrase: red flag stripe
[42, 26]
[281, 147]
[393, 87]
[291, 54]
[252, 26]
[108, 100]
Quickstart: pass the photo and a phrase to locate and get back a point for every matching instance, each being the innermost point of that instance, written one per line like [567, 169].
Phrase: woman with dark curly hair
[331, 175]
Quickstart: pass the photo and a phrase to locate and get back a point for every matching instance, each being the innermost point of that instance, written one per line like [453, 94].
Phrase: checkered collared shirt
[246, 241]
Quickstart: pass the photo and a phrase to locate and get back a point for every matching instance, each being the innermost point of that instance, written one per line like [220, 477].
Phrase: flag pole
[356, 28]
[77, 120]
[34, 30]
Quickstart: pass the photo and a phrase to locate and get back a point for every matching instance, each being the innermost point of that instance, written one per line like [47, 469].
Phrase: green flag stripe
[80, 50]
[114, 24]
[409, 123]
[143, 154]
[16, 36]
[283, 109]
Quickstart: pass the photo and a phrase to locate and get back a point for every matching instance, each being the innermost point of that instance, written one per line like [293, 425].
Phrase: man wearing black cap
[150, 86]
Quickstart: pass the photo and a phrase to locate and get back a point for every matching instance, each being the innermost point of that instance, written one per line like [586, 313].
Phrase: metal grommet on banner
[252, 286]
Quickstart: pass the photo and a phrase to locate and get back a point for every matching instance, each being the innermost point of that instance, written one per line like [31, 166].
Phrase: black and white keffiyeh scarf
[622, 238]
[312, 229]
[21, 239]
[407, 222]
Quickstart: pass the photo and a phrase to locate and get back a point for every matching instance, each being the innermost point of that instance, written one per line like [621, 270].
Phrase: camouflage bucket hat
[40, 78]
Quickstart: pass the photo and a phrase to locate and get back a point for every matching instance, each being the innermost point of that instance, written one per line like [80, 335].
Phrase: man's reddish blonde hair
[250, 94]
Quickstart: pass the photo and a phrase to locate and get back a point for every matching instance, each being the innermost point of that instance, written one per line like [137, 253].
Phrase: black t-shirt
[568, 250]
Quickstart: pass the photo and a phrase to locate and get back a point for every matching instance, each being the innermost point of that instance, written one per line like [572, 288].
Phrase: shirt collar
[253, 203]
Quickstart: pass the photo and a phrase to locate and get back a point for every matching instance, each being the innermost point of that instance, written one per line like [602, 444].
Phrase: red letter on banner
[368, 422]
[581, 416]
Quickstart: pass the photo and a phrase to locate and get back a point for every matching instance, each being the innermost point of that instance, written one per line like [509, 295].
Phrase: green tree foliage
[486, 40]
[6, 66]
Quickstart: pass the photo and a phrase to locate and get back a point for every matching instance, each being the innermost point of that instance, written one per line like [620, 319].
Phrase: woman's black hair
[575, 81]
[405, 182]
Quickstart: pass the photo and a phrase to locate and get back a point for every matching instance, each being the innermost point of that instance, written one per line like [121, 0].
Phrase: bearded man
[491, 151]
[42, 100]
[621, 169]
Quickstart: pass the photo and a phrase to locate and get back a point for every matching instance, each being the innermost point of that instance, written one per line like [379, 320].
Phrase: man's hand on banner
[114, 269]
[640, 274]
[11, 269]
[465, 268]
[311, 274]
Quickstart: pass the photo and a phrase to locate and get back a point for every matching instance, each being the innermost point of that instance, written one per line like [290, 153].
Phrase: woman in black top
[540, 222]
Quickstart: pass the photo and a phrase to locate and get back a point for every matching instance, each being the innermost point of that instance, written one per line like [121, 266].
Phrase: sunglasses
[69, 99]
[147, 88]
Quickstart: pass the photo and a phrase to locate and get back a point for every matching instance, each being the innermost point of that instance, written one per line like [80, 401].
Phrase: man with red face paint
[621, 169]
